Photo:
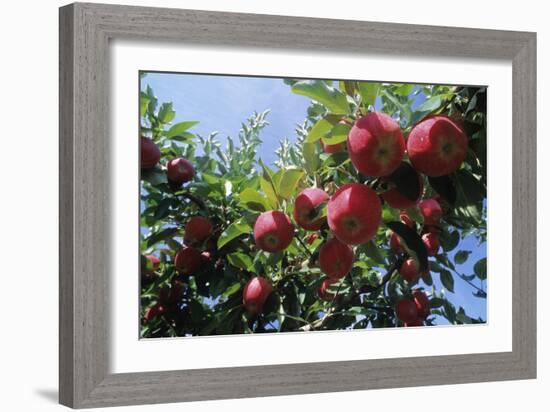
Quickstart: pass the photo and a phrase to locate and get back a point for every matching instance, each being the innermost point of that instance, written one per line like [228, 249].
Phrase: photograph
[277, 204]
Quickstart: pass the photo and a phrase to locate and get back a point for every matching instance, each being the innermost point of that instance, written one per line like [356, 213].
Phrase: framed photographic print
[257, 205]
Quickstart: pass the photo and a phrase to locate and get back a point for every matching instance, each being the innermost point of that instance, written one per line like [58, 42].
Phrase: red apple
[197, 230]
[422, 303]
[324, 294]
[255, 294]
[188, 260]
[395, 243]
[154, 262]
[405, 218]
[273, 231]
[153, 311]
[431, 211]
[180, 170]
[149, 153]
[406, 311]
[333, 148]
[416, 322]
[409, 271]
[437, 146]
[206, 256]
[305, 208]
[431, 241]
[312, 238]
[376, 145]
[336, 258]
[354, 213]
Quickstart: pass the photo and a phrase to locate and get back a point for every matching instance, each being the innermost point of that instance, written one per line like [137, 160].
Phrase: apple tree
[358, 224]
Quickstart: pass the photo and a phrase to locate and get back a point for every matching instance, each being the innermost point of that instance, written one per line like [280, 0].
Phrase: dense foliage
[231, 186]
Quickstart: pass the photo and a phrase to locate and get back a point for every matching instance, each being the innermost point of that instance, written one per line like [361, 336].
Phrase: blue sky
[222, 103]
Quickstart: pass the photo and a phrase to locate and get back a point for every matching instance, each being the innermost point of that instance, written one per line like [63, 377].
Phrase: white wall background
[28, 203]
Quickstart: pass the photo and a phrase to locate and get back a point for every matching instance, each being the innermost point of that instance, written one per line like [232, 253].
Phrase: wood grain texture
[85, 31]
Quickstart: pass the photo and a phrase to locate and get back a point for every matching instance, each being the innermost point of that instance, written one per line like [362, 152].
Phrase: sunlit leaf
[179, 128]
[335, 101]
[236, 229]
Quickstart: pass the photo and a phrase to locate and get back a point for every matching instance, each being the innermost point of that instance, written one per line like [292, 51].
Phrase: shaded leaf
[412, 243]
[447, 280]
[480, 268]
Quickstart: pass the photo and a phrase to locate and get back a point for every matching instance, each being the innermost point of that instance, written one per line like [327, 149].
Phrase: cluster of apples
[198, 229]
[436, 146]
[178, 170]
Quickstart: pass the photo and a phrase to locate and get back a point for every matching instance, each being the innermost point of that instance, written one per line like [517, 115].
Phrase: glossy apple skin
[149, 153]
[354, 213]
[336, 258]
[180, 170]
[304, 208]
[255, 294]
[376, 145]
[395, 243]
[431, 241]
[406, 311]
[405, 218]
[273, 231]
[422, 303]
[324, 294]
[437, 146]
[333, 148]
[188, 260]
[197, 230]
[431, 211]
[409, 271]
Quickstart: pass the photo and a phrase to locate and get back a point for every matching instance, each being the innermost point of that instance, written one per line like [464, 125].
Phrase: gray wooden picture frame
[85, 32]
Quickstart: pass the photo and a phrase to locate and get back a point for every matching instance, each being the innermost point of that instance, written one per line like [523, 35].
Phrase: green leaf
[412, 243]
[179, 128]
[445, 187]
[318, 90]
[447, 280]
[368, 92]
[231, 290]
[154, 176]
[268, 186]
[372, 251]
[403, 108]
[480, 268]
[449, 240]
[240, 260]
[436, 302]
[234, 230]
[166, 113]
[427, 277]
[415, 215]
[406, 181]
[311, 158]
[338, 134]
[404, 90]
[461, 256]
[429, 106]
[143, 103]
[322, 127]
[289, 182]
[253, 200]
[158, 236]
